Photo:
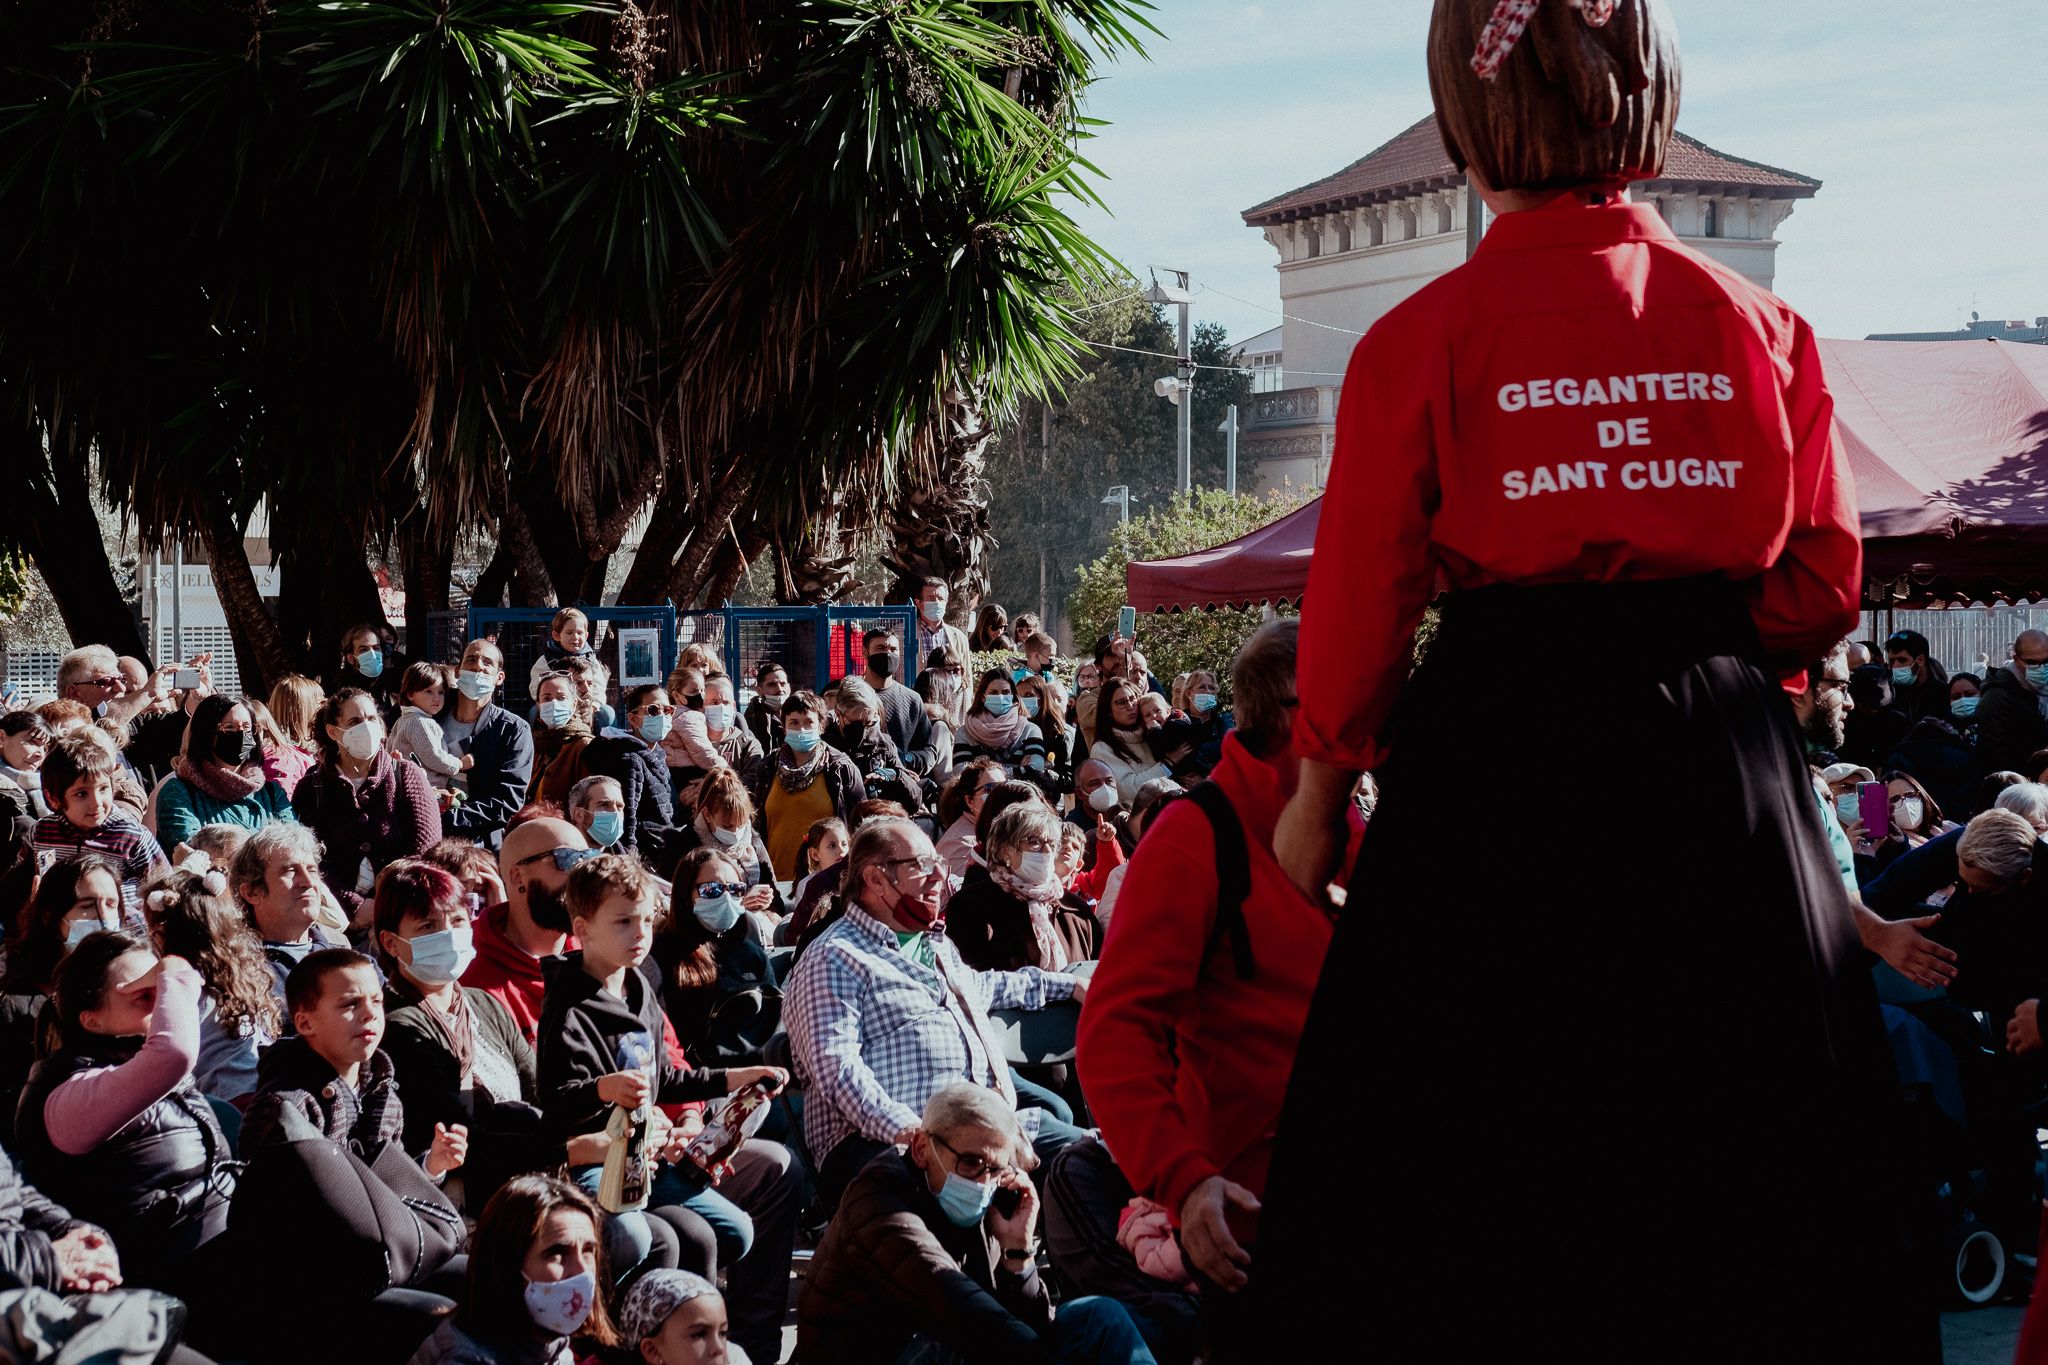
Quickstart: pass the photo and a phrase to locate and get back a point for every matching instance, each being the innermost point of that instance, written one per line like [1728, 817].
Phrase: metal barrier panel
[849, 624]
[789, 636]
[1961, 636]
[634, 643]
[447, 635]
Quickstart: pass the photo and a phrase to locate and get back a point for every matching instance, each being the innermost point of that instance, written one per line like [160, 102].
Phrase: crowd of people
[326, 1017]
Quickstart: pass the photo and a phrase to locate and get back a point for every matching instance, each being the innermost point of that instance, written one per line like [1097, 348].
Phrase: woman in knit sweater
[219, 778]
[366, 807]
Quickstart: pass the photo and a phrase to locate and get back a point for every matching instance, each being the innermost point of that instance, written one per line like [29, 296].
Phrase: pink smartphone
[1874, 806]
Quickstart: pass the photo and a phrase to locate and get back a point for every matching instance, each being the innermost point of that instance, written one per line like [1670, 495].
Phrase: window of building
[1710, 218]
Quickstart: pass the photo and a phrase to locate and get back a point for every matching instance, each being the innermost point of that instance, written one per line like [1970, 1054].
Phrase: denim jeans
[1090, 1331]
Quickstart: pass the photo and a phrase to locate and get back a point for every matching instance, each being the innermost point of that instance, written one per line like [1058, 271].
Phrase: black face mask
[547, 907]
[233, 747]
[853, 734]
[882, 665]
[695, 703]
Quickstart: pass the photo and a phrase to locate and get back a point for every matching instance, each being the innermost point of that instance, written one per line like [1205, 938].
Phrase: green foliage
[1049, 466]
[17, 585]
[1177, 642]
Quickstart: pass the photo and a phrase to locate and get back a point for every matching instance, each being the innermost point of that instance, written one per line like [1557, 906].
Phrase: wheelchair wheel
[1974, 1267]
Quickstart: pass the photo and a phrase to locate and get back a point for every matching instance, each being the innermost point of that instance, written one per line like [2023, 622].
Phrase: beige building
[1354, 244]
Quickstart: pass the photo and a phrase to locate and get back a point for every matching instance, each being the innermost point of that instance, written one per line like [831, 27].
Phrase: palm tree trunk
[429, 570]
[667, 527]
[689, 574]
[60, 531]
[939, 527]
[260, 652]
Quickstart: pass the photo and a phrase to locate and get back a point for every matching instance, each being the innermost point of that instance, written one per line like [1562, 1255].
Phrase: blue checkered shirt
[876, 1033]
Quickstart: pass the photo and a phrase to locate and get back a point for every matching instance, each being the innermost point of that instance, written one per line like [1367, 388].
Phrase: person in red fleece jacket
[1610, 1035]
[1186, 1061]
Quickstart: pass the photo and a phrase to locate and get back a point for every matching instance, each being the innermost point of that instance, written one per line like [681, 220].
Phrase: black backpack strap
[1233, 875]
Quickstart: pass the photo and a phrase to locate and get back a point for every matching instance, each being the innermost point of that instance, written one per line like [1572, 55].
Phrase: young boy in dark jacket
[600, 1045]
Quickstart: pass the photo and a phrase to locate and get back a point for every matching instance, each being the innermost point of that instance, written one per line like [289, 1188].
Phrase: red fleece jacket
[1187, 1064]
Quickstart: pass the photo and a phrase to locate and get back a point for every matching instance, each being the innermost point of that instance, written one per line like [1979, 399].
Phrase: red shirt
[1585, 400]
[1187, 1064]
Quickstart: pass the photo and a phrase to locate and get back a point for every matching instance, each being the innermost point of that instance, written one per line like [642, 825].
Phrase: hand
[1309, 846]
[490, 886]
[468, 762]
[2023, 1030]
[1015, 1232]
[87, 1261]
[742, 1076]
[1918, 958]
[758, 897]
[628, 1089]
[1105, 829]
[1205, 1231]
[450, 1149]
[1081, 988]
[904, 1135]
[1123, 644]
[587, 1150]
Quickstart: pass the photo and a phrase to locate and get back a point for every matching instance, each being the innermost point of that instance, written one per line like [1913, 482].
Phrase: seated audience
[858, 733]
[1012, 911]
[671, 1317]
[422, 696]
[364, 806]
[277, 876]
[634, 758]
[597, 806]
[959, 812]
[564, 728]
[802, 782]
[195, 919]
[1124, 740]
[219, 778]
[500, 743]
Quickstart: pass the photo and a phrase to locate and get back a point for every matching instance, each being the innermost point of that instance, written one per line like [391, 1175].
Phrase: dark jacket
[642, 774]
[28, 1033]
[836, 771]
[1875, 726]
[743, 966]
[766, 723]
[394, 814]
[874, 752]
[992, 928]
[30, 1224]
[892, 1267]
[2009, 723]
[429, 1073]
[503, 747]
[1935, 753]
[587, 1033]
[293, 1076]
[1902, 890]
[909, 725]
[2001, 941]
[160, 1186]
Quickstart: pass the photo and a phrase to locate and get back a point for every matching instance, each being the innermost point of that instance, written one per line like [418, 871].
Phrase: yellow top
[788, 817]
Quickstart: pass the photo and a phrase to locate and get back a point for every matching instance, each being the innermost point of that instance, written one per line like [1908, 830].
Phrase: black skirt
[1595, 1066]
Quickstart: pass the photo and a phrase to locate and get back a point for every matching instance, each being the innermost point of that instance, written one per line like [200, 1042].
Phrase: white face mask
[1103, 798]
[1035, 866]
[1910, 811]
[561, 1306]
[734, 838]
[440, 958]
[362, 741]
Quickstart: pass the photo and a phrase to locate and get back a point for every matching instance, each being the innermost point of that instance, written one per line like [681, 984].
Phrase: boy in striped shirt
[78, 783]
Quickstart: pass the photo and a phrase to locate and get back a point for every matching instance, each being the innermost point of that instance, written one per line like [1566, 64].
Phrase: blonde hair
[567, 616]
[294, 701]
[723, 794]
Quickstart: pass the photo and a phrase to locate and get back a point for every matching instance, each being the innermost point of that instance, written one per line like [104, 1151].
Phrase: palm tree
[399, 270]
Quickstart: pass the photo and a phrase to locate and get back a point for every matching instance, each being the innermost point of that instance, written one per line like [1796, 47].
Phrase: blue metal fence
[522, 635]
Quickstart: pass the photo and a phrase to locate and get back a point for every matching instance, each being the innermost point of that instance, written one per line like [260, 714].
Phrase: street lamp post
[1121, 496]
[1178, 295]
[1229, 430]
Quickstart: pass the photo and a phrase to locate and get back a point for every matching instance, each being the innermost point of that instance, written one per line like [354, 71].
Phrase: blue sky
[1926, 122]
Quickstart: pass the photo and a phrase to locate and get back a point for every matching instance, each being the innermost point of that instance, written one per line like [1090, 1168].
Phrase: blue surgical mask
[440, 958]
[556, 713]
[1847, 806]
[654, 727]
[606, 826]
[476, 686]
[370, 662]
[1962, 708]
[998, 703]
[934, 612]
[803, 741]
[79, 931]
[2037, 677]
[1203, 702]
[719, 915]
[1902, 677]
[1031, 707]
[718, 715]
[1018, 675]
[965, 1202]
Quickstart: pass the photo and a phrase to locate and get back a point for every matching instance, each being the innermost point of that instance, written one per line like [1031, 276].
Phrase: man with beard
[533, 924]
[1823, 708]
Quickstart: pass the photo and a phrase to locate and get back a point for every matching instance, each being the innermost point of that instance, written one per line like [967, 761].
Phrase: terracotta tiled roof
[1416, 160]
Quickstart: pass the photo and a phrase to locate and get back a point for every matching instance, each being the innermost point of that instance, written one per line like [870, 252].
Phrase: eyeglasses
[924, 867]
[711, 891]
[565, 858]
[973, 1165]
[1829, 684]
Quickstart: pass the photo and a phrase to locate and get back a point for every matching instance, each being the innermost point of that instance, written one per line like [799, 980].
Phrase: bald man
[513, 939]
[2010, 725]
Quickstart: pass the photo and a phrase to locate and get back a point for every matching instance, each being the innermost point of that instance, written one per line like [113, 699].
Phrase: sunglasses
[565, 858]
[711, 891]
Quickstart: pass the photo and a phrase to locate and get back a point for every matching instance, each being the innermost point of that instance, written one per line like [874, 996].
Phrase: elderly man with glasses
[882, 1013]
[933, 1260]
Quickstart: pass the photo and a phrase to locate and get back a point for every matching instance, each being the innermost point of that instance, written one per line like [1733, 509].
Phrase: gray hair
[278, 838]
[963, 1104]
[1020, 822]
[580, 794]
[2028, 800]
[1149, 798]
[1262, 683]
[87, 661]
[719, 680]
[874, 844]
[856, 692]
[1999, 844]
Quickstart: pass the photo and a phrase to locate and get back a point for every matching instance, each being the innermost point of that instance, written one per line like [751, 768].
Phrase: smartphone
[1874, 806]
[186, 678]
[1127, 623]
[1007, 1200]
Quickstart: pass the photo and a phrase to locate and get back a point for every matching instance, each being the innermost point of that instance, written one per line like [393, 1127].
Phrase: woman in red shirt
[1628, 1087]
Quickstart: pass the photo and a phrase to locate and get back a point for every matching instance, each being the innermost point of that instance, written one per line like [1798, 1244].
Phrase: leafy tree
[1051, 465]
[402, 271]
[1174, 643]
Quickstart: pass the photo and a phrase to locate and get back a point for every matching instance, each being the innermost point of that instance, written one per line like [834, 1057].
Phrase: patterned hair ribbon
[1510, 17]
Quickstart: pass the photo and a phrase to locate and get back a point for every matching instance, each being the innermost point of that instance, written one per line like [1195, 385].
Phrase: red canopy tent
[1948, 441]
